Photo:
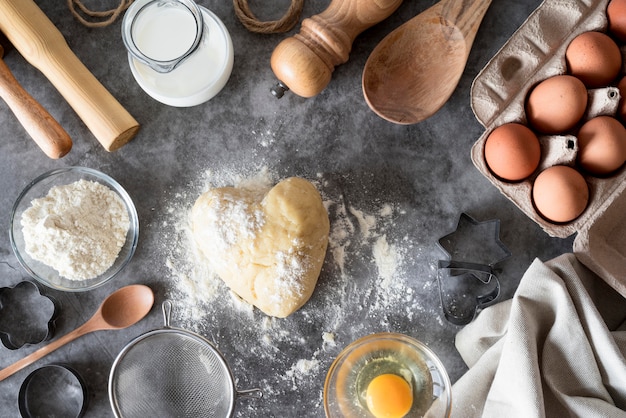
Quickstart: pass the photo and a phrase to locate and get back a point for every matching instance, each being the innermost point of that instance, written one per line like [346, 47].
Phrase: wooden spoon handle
[43, 45]
[466, 16]
[40, 124]
[44, 351]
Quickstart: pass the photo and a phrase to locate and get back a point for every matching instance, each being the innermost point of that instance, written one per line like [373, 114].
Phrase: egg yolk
[389, 396]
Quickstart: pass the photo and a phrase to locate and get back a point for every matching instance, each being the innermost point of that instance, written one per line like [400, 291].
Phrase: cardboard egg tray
[536, 51]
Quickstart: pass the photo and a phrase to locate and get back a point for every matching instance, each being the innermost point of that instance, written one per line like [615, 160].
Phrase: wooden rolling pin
[304, 63]
[43, 46]
[40, 125]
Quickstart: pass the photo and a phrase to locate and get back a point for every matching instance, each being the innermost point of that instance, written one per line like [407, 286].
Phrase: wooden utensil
[121, 309]
[415, 69]
[304, 63]
[43, 45]
[41, 126]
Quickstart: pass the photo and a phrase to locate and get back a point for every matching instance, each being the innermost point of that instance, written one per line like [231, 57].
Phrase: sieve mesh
[171, 373]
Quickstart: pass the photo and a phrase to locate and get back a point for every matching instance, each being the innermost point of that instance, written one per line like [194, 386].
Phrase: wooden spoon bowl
[415, 69]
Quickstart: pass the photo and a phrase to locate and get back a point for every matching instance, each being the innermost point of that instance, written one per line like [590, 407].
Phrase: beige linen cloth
[556, 349]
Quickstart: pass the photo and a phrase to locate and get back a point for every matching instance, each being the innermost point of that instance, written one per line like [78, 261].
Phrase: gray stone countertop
[405, 186]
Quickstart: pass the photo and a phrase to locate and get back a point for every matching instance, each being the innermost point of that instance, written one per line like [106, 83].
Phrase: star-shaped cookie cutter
[467, 280]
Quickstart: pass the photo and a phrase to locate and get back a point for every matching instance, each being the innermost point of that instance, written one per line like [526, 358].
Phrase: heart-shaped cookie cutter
[467, 280]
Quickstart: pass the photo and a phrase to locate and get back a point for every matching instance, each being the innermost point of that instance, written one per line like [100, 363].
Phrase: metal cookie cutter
[467, 280]
[55, 390]
[26, 316]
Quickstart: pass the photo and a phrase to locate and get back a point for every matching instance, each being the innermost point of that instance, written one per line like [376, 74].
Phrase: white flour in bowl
[77, 229]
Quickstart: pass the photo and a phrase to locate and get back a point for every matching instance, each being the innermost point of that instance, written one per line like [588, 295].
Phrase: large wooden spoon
[41, 125]
[415, 69]
[121, 309]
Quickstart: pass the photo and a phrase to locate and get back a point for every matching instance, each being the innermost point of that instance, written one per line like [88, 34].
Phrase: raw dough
[267, 246]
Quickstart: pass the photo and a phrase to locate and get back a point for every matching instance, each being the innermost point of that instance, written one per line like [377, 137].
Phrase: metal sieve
[172, 372]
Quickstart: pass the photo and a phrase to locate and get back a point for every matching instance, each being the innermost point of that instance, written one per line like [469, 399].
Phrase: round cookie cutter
[27, 316]
[55, 390]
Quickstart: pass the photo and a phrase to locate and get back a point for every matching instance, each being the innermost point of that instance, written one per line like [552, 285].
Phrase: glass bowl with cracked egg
[74, 229]
[387, 375]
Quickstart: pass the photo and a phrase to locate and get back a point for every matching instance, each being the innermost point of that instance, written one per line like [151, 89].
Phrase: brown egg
[556, 104]
[560, 194]
[594, 58]
[601, 145]
[616, 13]
[512, 152]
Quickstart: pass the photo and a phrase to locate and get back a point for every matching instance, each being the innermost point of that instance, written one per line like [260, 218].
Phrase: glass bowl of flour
[74, 228]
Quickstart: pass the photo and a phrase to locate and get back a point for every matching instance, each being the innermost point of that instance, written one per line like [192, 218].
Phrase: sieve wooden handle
[43, 46]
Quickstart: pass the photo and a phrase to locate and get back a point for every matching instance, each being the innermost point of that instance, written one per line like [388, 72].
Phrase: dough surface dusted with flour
[268, 246]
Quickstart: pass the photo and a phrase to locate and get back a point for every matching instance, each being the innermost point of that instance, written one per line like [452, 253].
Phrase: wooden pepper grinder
[304, 63]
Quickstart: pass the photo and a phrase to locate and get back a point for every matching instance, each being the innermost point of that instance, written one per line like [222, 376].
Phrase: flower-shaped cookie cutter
[467, 280]
[26, 315]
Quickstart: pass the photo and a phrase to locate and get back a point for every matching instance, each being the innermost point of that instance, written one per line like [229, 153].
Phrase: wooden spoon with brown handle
[121, 309]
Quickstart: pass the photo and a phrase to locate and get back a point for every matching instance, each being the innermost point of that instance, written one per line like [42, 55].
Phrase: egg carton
[535, 52]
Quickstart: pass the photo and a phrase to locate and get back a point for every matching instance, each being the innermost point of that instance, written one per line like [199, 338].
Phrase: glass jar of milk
[180, 53]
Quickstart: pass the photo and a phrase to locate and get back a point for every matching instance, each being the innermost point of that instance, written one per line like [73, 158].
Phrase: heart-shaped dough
[267, 246]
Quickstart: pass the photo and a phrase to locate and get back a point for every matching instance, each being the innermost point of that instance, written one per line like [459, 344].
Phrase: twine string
[253, 24]
[96, 18]
[102, 18]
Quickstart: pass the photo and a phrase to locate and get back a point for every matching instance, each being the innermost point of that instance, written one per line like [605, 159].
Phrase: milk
[164, 33]
[168, 33]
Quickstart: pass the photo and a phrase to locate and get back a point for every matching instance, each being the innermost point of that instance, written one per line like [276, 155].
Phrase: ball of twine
[96, 18]
[284, 24]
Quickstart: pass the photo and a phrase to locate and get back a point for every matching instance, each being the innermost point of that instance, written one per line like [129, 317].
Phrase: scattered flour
[366, 268]
[77, 229]
[302, 367]
[329, 339]
[354, 233]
